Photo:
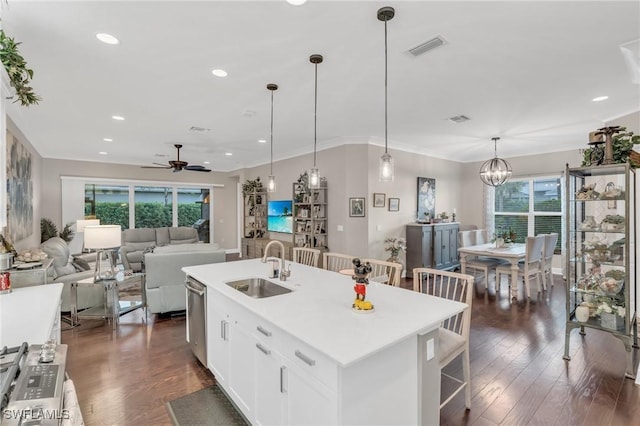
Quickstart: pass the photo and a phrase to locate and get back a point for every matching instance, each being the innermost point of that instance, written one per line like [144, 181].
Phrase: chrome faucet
[284, 273]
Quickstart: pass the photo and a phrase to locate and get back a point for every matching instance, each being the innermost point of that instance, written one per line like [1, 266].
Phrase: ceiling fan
[178, 165]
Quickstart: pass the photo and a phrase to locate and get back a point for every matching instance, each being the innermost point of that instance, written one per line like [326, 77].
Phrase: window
[143, 205]
[530, 207]
[109, 203]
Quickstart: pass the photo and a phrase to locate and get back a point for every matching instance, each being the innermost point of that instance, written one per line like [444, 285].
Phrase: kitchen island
[306, 357]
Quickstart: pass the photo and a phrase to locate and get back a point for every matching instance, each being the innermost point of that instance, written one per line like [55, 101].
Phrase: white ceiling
[523, 71]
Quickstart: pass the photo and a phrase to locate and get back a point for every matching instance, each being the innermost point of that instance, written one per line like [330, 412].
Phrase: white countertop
[318, 310]
[28, 313]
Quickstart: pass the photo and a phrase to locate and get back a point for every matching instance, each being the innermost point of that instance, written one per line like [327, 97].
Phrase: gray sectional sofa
[136, 241]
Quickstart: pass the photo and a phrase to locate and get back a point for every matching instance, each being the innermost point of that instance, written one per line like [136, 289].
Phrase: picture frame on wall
[356, 207]
[379, 199]
[394, 204]
[426, 199]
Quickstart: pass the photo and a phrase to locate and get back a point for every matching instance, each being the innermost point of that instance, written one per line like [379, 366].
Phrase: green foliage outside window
[148, 215]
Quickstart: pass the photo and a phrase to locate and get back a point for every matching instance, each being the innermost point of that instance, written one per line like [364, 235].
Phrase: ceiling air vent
[198, 129]
[428, 45]
[459, 119]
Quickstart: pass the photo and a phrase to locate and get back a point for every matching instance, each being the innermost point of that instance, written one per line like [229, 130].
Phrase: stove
[31, 380]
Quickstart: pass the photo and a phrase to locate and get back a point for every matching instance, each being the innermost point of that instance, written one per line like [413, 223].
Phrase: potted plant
[623, 152]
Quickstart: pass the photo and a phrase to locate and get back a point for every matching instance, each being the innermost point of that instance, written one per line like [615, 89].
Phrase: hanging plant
[19, 75]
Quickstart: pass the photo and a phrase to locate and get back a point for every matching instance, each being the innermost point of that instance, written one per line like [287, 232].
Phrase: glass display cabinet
[601, 267]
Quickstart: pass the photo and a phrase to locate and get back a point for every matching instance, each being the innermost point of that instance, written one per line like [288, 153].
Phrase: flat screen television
[280, 216]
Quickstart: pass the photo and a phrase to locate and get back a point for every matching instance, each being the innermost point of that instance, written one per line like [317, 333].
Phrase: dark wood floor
[125, 377]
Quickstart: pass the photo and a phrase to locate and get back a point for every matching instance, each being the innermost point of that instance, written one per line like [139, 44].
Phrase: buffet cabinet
[254, 247]
[432, 246]
[601, 271]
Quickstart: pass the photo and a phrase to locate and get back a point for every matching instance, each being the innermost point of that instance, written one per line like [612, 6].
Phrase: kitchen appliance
[197, 318]
[31, 382]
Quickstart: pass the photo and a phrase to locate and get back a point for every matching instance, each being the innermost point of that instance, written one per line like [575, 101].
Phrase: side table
[113, 307]
[28, 274]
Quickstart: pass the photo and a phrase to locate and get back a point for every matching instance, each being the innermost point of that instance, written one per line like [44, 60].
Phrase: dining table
[514, 253]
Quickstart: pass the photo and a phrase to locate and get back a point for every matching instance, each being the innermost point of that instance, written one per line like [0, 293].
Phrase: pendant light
[496, 171]
[314, 174]
[271, 182]
[386, 173]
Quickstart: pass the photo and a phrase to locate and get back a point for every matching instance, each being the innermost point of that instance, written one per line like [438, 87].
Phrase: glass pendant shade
[314, 178]
[271, 184]
[386, 168]
[496, 171]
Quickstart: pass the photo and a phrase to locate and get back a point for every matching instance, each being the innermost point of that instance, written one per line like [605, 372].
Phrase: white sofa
[164, 280]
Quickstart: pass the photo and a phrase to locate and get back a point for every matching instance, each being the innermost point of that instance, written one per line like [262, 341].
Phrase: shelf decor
[600, 259]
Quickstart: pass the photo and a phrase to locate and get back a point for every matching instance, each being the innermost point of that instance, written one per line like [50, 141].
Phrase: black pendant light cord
[315, 115]
[271, 172]
[385, 86]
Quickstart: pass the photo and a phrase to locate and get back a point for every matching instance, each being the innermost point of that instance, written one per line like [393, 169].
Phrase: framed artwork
[426, 198]
[378, 199]
[356, 207]
[394, 204]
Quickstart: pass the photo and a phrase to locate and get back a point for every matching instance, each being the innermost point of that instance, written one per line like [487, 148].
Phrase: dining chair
[549, 247]
[477, 263]
[336, 261]
[306, 256]
[532, 265]
[384, 272]
[453, 334]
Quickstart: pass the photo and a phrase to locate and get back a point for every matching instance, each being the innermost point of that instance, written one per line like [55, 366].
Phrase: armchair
[67, 273]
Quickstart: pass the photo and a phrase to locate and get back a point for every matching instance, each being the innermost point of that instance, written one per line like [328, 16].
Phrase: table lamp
[103, 239]
[81, 224]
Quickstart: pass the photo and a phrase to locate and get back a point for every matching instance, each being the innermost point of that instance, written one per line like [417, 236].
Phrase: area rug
[209, 406]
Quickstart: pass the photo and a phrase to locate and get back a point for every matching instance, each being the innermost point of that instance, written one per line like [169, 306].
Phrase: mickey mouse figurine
[360, 275]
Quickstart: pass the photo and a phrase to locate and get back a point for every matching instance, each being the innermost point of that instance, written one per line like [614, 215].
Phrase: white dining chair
[384, 272]
[453, 334]
[477, 264]
[549, 248]
[532, 266]
[336, 262]
[306, 256]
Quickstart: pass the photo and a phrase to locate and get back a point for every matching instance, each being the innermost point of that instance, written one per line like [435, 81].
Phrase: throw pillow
[80, 264]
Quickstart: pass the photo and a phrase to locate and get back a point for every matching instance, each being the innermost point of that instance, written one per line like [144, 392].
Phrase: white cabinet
[268, 374]
[217, 339]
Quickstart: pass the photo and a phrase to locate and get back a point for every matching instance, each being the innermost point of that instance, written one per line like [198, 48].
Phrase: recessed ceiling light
[207, 162]
[262, 140]
[107, 140]
[102, 153]
[600, 99]
[219, 73]
[296, 2]
[117, 117]
[228, 154]
[107, 38]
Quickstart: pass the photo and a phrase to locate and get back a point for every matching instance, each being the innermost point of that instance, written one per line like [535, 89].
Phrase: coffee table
[113, 307]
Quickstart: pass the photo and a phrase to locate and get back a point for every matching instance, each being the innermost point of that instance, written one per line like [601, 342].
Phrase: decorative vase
[394, 258]
[499, 242]
[582, 313]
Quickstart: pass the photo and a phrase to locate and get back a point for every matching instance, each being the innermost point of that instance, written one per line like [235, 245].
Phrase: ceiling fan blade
[155, 167]
[160, 164]
[197, 168]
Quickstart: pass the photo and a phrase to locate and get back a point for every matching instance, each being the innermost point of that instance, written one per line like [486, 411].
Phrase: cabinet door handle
[283, 379]
[222, 329]
[263, 331]
[305, 358]
[263, 349]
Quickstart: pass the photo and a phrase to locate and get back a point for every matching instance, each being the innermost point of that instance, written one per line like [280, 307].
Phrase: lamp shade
[102, 237]
[82, 223]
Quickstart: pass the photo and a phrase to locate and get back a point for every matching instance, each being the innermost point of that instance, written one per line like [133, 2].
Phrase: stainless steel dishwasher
[197, 318]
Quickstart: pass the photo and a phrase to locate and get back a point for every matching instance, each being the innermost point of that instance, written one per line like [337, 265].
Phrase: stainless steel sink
[258, 288]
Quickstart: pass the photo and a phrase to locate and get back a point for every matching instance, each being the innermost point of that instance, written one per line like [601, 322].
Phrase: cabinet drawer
[310, 361]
